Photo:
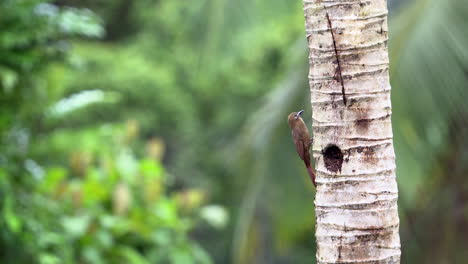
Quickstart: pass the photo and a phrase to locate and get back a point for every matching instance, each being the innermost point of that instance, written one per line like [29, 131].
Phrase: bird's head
[294, 117]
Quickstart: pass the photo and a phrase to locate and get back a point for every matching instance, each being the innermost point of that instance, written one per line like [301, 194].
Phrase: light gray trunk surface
[356, 200]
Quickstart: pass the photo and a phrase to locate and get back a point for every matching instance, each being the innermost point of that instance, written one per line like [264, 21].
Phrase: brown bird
[301, 137]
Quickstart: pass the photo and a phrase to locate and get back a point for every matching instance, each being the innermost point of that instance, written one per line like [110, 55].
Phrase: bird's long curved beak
[300, 112]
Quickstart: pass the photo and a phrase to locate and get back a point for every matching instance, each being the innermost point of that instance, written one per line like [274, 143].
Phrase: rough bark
[356, 200]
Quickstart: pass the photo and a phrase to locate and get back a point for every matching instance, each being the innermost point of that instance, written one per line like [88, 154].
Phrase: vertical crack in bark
[340, 76]
[340, 247]
[356, 201]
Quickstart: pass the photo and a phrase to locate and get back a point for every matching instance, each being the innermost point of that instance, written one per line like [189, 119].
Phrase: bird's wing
[303, 151]
[306, 157]
[299, 145]
[300, 148]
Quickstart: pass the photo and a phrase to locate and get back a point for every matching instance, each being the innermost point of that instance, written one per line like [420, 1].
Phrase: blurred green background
[155, 131]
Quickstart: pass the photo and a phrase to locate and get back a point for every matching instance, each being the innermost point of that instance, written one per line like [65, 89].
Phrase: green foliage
[117, 208]
[31, 38]
[429, 79]
[107, 207]
[77, 196]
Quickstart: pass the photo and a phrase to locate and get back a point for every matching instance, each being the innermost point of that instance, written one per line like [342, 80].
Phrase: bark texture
[356, 200]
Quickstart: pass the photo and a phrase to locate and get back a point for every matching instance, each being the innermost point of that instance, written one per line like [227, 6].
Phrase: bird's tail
[311, 172]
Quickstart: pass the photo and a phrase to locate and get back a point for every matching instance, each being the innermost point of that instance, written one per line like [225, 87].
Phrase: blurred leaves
[429, 96]
[78, 195]
[118, 208]
[215, 215]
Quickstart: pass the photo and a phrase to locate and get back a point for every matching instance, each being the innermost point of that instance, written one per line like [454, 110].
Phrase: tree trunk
[356, 200]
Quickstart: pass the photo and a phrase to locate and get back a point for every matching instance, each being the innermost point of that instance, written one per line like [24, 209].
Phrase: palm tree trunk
[356, 200]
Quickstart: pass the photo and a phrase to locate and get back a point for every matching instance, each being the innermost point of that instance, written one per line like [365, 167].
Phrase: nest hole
[333, 158]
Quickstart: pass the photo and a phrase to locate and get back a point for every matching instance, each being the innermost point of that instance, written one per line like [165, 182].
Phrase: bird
[302, 141]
